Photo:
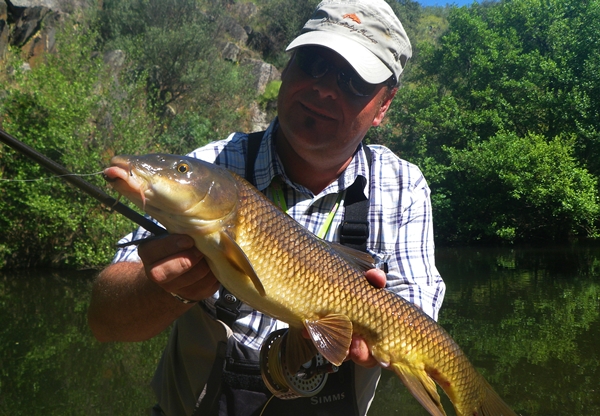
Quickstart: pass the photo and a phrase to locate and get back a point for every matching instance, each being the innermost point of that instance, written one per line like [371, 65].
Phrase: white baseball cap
[366, 33]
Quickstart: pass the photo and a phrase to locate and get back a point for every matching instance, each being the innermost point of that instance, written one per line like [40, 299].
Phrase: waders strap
[354, 230]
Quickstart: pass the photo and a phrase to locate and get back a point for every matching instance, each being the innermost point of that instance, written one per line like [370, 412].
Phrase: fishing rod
[85, 186]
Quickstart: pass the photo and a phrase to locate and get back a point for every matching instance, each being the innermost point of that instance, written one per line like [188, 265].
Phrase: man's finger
[156, 249]
[376, 277]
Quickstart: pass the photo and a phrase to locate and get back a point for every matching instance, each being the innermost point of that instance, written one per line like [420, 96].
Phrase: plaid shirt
[401, 231]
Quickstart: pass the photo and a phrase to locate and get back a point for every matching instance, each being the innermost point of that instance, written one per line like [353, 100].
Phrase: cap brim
[364, 62]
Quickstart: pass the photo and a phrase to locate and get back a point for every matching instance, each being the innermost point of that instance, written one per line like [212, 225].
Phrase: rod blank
[85, 186]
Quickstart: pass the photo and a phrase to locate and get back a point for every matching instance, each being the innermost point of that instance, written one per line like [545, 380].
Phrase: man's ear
[385, 105]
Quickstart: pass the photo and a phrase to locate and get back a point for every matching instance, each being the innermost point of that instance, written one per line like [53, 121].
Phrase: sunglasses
[313, 64]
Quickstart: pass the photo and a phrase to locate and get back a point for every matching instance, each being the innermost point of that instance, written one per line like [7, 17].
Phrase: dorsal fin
[363, 261]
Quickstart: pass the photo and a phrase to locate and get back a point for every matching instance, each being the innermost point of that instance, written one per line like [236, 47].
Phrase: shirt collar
[268, 166]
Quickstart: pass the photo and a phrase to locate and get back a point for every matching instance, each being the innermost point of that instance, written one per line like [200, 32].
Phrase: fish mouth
[122, 179]
[120, 168]
[107, 178]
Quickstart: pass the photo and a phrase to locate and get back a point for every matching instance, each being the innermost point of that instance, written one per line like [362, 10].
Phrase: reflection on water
[528, 319]
[49, 362]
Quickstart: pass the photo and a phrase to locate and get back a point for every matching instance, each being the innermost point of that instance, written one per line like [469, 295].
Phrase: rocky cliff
[30, 26]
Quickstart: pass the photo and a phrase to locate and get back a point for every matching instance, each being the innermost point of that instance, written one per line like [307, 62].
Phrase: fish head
[179, 191]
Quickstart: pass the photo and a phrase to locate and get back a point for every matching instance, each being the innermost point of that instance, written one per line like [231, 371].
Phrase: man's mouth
[316, 112]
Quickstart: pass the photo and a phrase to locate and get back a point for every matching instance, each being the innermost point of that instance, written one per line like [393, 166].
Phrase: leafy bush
[173, 42]
[71, 110]
[516, 189]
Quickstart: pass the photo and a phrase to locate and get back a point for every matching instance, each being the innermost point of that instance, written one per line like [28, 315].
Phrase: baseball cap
[366, 33]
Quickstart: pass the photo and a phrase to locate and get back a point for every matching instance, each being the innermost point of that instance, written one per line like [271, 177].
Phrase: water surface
[529, 319]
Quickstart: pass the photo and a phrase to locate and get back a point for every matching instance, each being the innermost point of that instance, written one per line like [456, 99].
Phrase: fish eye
[183, 168]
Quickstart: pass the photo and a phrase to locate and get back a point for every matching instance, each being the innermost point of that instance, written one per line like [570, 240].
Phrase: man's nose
[327, 85]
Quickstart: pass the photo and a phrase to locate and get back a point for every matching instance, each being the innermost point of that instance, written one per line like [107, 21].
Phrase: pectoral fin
[298, 350]
[422, 387]
[238, 259]
[332, 336]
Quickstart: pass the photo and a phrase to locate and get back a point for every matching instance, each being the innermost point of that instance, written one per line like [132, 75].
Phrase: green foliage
[517, 69]
[186, 132]
[504, 93]
[270, 94]
[534, 189]
[173, 41]
[64, 110]
[172, 94]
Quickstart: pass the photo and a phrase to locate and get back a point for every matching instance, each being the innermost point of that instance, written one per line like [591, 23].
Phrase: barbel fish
[276, 266]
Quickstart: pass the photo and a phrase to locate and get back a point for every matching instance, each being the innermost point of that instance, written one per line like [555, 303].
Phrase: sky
[442, 3]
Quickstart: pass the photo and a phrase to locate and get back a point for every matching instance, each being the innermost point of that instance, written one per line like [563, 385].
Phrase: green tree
[519, 68]
[71, 109]
[515, 189]
[171, 44]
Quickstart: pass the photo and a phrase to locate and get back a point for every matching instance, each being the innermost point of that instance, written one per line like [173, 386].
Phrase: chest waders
[235, 386]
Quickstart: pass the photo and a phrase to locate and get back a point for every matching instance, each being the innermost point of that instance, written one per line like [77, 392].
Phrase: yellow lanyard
[279, 200]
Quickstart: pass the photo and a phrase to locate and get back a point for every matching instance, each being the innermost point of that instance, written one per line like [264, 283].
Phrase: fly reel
[280, 380]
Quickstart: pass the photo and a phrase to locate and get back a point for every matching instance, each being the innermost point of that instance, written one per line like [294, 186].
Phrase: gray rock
[115, 59]
[28, 4]
[28, 23]
[231, 52]
[262, 72]
[3, 38]
[233, 29]
[3, 29]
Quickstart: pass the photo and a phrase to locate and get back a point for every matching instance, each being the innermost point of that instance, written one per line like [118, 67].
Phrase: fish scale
[276, 266]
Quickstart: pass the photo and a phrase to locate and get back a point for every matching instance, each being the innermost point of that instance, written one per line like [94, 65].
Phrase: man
[340, 80]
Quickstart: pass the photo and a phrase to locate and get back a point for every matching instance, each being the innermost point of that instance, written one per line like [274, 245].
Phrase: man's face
[322, 116]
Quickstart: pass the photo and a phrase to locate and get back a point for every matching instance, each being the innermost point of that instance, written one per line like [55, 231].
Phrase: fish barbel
[276, 266]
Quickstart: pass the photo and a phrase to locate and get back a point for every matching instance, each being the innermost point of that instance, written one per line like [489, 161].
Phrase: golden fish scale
[313, 281]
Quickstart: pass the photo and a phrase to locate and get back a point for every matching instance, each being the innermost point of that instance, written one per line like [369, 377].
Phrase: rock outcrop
[31, 25]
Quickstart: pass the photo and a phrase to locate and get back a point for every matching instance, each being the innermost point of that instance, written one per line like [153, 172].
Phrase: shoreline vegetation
[499, 106]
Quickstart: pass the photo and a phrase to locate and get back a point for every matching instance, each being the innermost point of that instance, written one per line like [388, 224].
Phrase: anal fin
[422, 387]
[298, 350]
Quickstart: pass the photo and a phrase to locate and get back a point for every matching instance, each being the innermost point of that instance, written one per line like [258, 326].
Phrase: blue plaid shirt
[401, 230]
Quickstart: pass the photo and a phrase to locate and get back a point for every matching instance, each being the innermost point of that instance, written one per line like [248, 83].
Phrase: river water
[529, 320]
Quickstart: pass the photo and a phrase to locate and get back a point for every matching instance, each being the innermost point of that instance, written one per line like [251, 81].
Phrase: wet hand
[176, 265]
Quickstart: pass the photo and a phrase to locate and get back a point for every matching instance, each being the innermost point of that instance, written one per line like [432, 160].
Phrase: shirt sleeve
[404, 233]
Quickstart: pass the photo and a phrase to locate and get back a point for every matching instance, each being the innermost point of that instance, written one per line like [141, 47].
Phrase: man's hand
[176, 265]
[130, 300]
[359, 351]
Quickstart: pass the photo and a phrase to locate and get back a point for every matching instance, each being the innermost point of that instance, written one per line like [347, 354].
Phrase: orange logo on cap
[352, 17]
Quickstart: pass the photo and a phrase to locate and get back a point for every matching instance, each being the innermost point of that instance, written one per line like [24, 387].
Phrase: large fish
[272, 263]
